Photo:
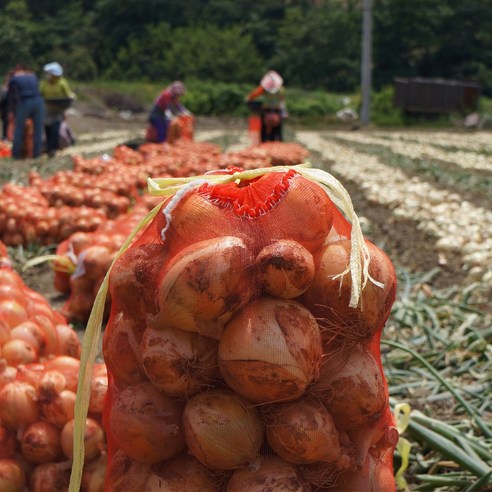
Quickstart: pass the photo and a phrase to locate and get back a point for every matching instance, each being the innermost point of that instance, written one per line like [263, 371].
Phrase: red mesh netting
[232, 352]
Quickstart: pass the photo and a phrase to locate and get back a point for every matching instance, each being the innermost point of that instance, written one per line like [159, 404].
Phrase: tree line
[314, 44]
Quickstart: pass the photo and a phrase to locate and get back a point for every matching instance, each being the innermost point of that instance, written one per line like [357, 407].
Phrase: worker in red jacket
[166, 106]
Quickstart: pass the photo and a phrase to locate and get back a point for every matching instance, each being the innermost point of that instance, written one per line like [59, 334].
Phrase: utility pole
[366, 62]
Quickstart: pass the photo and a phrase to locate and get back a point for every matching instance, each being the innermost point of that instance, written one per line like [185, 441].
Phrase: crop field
[425, 198]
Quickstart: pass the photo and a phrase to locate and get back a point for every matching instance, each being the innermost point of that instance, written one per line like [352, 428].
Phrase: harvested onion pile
[84, 259]
[235, 359]
[39, 367]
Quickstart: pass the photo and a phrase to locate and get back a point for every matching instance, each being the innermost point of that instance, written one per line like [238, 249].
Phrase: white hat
[54, 69]
[272, 82]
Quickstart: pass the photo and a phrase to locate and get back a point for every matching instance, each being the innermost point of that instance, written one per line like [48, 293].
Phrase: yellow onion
[12, 477]
[50, 477]
[205, 285]
[304, 432]
[94, 440]
[40, 442]
[18, 405]
[328, 297]
[177, 362]
[222, 430]
[121, 349]
[286, 269]
[351, 386]
[124, 474]
[181, 474]
[146, 424]
[93, 475]
[273, 475]
[271, 351]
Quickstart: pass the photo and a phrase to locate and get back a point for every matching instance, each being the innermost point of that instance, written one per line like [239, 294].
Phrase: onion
[4, 332]
[328, 297]
[351, 386]
[222, 430]
[18, 405]
[8, 442]
[303, 432]
[271, 351]
[274, 474]
[124, 474]
[31, 333]
[31, 374]
[99, 388]
[96, 261]
[48, 328]
[11, 312]
[204, 286]
[7, 373]
[177, 362]
[68, 366]
[121, 350]
[12, 477]
[286, 269]
[12, 293]
[94, 440]
[17, 352]
[93, 475]
[51, 383]
[68, 341]
[51, 477]
[133, 277]
[10, 277]
[59, 409]
[146, 424]
[40, 442]
[375, 476]
[181, 474]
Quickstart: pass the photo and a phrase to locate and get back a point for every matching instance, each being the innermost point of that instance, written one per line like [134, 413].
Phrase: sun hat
[54, 68]
[272, 82]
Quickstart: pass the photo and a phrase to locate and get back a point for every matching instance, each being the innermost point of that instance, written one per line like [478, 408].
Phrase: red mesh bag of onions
[242, 346]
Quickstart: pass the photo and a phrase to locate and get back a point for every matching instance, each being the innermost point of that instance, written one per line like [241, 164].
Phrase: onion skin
[40, 443]
[181, 474]
[121, 349]
[124, 474]
[51, 477]
[8, 442]
[17, 352]
[69, 367]
[303, 432]
[146, 424]
[328, 298]
[99, 388]
[273, 475]
[18, 405]
[12, 477]
[133, 278]
[204, 286]
[94, 440]
[286, 269]
[93, 475]
[222, 430]
[271, 351]
[351, 385]
[177, 362]
[59, 409]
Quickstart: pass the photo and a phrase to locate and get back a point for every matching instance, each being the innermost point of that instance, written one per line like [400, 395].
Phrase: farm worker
[166, 106]
[273, 109]
[57, 97]
[27, 103]
[5, 105]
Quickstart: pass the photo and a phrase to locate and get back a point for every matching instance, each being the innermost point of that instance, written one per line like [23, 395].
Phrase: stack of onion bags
[243, 343]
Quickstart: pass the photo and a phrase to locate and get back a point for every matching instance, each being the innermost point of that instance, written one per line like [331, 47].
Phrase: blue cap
[54, 69]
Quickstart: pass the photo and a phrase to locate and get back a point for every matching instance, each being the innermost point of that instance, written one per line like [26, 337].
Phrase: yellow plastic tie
[402, 418]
